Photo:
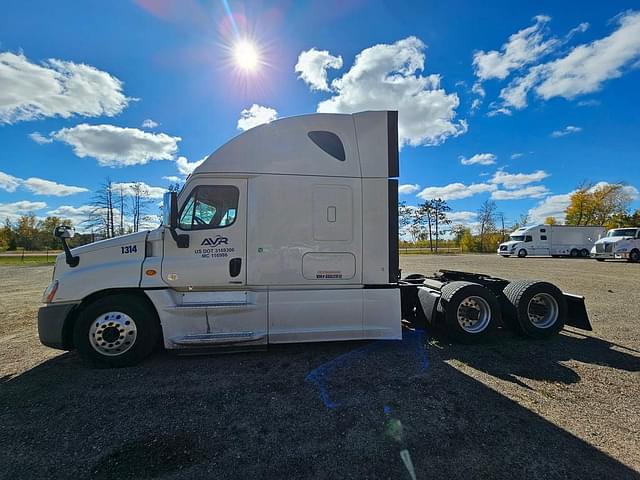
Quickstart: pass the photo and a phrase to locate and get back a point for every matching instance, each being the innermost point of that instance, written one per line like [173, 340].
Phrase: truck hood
[511, 243]
[611, 240]
[131, 238]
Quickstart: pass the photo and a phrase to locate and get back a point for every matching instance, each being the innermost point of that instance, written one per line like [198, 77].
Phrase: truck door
[213, 215]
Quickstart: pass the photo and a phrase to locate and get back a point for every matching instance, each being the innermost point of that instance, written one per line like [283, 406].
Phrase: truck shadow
[334, 410]
[510, 356]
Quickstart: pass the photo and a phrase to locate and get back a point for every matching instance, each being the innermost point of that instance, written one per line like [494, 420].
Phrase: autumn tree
[486, 220]
[26, 232]
[550, 221]
[597, 204]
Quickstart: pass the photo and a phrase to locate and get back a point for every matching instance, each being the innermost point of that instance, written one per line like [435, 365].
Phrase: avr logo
[214, 242]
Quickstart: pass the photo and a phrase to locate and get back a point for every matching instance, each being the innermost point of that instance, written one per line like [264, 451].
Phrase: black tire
[519, 295]
[452, 297]
[522, 253]
[575, 253]
[145, 328]
[505, 256]
[584, 253]
[600, 259]
[634, 256]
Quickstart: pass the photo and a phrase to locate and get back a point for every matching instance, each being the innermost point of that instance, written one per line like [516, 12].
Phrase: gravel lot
[514, 408]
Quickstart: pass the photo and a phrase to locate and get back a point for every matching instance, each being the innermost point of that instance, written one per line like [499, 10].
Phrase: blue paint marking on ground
[321, 375]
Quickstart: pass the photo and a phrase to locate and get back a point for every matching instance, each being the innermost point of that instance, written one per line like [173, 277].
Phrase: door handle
[235, 265]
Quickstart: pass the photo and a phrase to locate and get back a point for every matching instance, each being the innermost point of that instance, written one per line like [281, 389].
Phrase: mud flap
[577, 312]
[429, 300]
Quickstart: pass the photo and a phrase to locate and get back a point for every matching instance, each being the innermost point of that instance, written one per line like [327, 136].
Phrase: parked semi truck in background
[287, 233]
[622, 243]
[554, 240]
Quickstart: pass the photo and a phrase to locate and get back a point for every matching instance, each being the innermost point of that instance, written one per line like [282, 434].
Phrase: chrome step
[201, 339]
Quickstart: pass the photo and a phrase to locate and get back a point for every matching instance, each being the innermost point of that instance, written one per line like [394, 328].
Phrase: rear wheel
[116, 331]
[538, 307]
[471, 312]
[584, 253]
[634, 256]
[522, 253]
[575, 253]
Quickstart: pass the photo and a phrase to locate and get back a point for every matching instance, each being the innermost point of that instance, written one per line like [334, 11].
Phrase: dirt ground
[513, 408]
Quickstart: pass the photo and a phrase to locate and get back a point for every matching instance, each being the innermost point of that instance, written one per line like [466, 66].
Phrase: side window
[543, 230]
[528, 239]
[210, 206]
[543, 237]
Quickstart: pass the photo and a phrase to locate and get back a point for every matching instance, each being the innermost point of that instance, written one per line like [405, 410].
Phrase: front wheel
[522, 253]
[471, 312]
[116, 331]
[539, 307]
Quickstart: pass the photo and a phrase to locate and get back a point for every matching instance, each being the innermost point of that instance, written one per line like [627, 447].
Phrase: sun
[246, 56]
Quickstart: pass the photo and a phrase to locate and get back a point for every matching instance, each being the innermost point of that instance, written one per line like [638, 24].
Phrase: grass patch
[28, 260]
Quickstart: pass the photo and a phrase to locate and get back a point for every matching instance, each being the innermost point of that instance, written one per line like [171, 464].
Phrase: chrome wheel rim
[113, 333]
[474, 314]
[543, 310]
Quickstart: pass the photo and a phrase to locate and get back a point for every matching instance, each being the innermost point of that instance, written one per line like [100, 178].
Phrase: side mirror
[64, 231]
[170, 218]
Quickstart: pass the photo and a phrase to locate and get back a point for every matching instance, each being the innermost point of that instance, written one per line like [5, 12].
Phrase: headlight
[50, 292]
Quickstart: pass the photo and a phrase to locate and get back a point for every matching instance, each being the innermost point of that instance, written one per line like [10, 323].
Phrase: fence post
[22, 256]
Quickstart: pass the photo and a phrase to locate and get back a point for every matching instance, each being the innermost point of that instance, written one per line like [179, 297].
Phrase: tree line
[590, 204]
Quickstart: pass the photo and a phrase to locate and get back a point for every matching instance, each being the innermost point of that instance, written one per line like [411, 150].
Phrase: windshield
[517, 238]
[622, 232]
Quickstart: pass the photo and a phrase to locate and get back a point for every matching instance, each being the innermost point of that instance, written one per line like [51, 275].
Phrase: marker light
[50, 292]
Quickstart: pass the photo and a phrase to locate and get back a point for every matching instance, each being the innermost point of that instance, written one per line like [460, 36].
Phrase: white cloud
[568, 130]
[146, 191]
[499, 111]
[552, 206]
[185, 167]
[77, 215]
[589, 103]
[408, 189]
[174, 178]
[479, 159]
[514, 180]
[118, 147]
[587, 66]
[478, 89]
[386, 77]
[148, 123]
[584, 69]
[14, 210]
[39, 138]
[312, 66]
[55, 88]
[629, 190]
[462, 217]
[516, 155]
[256, 115]
[455, 191]
[39, 186]
[9, 183]
[534, 191]
[581, 28]
[522, 48]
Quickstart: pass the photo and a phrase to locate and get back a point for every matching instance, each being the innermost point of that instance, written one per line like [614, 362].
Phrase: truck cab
[532, 240]
[618, 243]
[286, 233]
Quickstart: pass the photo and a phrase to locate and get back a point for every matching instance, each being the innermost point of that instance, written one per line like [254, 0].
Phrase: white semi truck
[622, 243]
[287, 233]
[554, 240]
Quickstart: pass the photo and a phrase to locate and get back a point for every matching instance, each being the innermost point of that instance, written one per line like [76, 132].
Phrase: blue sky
[519, 103]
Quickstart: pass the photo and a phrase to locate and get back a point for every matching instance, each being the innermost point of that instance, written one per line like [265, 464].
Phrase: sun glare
[246, 56]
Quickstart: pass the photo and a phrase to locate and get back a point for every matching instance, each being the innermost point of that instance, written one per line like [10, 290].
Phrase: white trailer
[554, 240]
[621, 243]
[287, 233]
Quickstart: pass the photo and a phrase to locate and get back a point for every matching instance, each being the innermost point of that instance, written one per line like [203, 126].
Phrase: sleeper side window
[543, 237]
[210, 206]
